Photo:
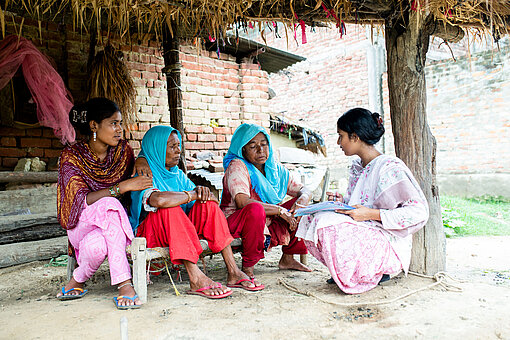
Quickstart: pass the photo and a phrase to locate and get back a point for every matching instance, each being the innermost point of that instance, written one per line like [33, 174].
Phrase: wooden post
[139, 257]
[406, 46]
[172, 71]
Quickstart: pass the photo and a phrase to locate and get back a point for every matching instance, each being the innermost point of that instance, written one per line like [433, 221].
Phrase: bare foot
[197, 280]
[72, 284]
[126, 289]
[239, 275]
[251, 274]
[288, 262]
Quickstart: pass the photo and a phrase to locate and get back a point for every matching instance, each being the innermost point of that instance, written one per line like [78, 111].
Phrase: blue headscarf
[154, 150]
[271, 188]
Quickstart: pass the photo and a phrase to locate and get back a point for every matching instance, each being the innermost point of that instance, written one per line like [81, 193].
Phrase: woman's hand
[203, 194]
[135, 184]
[142, 168]
[289, 218]
[301, 202]
[334, 196]
[361, 213]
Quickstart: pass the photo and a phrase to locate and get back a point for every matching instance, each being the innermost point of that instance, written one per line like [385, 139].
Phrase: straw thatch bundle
[215, 17]
[110, 78]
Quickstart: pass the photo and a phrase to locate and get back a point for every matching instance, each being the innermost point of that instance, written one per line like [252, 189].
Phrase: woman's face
[109, 131]
[347, 144]
[256, 151]
[173, 151]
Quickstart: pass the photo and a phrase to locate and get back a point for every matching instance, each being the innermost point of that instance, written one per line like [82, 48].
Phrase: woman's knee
[255, 211]
[93, 245]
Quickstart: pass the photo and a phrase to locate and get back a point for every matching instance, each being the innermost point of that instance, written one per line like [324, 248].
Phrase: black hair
[366, 125]
[96, 109]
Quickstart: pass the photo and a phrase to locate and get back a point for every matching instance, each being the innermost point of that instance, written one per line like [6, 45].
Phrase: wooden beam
[172, 70]
[445, 31]
[19, 253]
[14, 222]
[28, 177]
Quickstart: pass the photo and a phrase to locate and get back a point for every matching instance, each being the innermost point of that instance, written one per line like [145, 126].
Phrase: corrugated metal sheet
[215, 178]
[272, 60]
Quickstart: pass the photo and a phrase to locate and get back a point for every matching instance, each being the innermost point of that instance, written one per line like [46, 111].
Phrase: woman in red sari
[175, 214]
[254, 186]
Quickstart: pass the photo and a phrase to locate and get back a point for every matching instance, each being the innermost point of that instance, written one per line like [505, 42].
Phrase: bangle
[112, 191]
[189, 196]
[280, 209]
[117, 189]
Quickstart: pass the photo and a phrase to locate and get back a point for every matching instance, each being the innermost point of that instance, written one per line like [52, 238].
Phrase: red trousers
[248, 223]
[170, 227]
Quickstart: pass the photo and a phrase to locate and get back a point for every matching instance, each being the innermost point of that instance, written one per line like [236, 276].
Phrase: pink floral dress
[358, 253]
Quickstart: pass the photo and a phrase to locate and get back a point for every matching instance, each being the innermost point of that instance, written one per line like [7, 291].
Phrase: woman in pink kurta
[92, 174]
[359, 246]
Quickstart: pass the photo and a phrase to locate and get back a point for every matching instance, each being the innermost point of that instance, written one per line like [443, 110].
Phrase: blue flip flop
[116, 301]
[65, 297]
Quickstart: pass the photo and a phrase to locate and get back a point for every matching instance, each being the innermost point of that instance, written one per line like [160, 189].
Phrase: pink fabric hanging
[48, 91]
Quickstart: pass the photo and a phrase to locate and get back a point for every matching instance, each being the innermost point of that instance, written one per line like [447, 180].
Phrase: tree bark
[172, 70]
[406, 46]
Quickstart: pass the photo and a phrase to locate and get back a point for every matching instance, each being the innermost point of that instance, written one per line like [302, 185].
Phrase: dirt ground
[28, 309]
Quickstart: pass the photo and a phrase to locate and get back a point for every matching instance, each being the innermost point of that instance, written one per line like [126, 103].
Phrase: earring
[94, 136]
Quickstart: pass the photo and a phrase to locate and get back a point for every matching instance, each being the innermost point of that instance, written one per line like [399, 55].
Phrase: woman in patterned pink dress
[93, 173]
[359, 246]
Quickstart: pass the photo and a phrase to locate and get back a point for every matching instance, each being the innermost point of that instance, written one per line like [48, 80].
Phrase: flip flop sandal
[251, 289]
[65, 297]
[116, 301]
[200, 292]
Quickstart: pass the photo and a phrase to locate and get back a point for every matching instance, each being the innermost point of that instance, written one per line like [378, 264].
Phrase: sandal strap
[64, 291]
[127, 297]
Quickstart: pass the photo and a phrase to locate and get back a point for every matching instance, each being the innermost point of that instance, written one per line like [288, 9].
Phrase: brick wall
[467, 100]
[218, 94]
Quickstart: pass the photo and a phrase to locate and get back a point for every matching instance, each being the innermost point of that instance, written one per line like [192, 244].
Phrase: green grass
[479, 216]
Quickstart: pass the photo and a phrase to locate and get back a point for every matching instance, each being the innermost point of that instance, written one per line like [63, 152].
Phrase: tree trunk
[172, 70]
[406, 46]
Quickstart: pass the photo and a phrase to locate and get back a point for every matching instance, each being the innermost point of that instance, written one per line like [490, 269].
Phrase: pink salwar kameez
[357, 254]
[103, 230]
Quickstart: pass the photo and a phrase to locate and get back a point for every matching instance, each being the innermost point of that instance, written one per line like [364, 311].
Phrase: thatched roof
[215, 17]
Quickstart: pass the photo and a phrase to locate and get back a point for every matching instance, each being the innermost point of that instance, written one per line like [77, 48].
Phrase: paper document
[323, 206]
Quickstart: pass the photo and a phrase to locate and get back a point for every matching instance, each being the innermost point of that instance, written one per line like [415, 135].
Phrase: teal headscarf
[154, 150]
[271, 188]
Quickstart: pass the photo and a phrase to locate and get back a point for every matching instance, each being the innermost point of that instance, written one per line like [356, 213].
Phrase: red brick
[194, 129]
[206, 138]
[195, 146]
[221, 138]
[56, 144]
[8, 141]
[9, 162]
[149, 75]
[50, 153]
[12, 152]
[5, 131]
[222, 130]
[36, 142]
[35, 152]
[221, 145]
[192, 137]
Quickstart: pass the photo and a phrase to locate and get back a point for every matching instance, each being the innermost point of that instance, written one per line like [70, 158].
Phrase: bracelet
[114, 190]
[280, 210]
[189, 196]
[300, 205]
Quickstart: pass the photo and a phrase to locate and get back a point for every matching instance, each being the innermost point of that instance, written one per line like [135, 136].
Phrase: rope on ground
[440, 278]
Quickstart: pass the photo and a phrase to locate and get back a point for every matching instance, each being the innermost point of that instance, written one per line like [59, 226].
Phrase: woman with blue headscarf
[254, 187]
[175, 213]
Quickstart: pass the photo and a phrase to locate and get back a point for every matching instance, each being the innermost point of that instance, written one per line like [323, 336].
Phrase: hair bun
[377, 119]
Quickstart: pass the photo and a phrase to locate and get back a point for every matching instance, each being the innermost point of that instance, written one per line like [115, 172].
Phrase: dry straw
[110, 78]
[214, 17]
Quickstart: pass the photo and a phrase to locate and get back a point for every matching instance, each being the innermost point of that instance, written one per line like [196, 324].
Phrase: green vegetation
[480, 216]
